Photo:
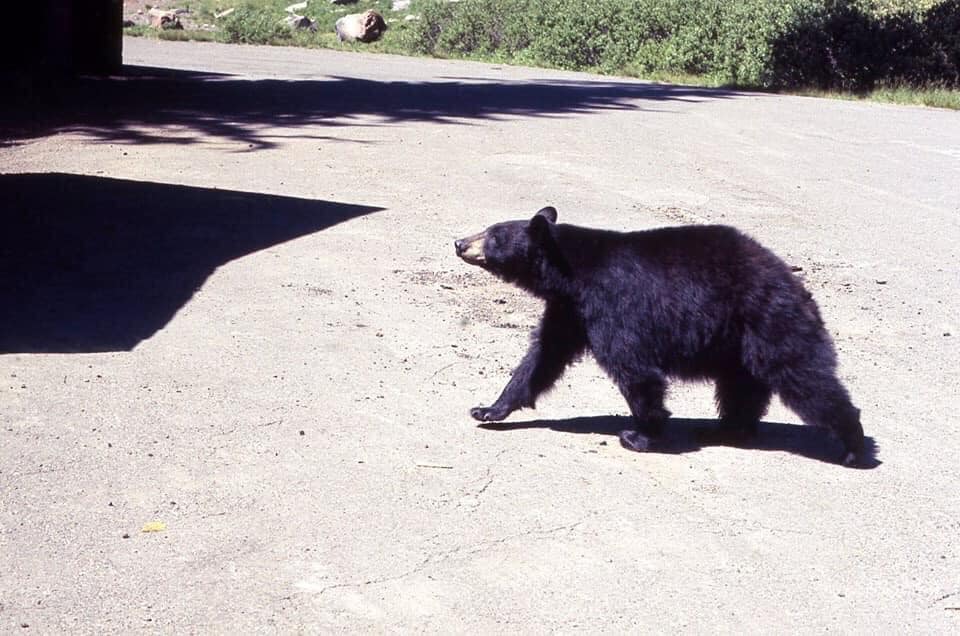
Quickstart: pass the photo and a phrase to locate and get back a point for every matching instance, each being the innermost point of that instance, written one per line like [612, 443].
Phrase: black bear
[697, 302]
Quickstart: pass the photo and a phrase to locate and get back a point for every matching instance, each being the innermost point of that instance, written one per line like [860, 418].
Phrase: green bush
[941, 57]
[848, 44]
[577, 35]
[473, 27]
[255, 25]
[842, 45]
[726, 39]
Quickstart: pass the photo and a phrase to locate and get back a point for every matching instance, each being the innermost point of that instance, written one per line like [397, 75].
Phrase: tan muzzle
[470, 249]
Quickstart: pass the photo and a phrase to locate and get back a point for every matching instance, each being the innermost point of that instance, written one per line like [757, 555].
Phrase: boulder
[300, 22]
[361, 27]
[160, 19]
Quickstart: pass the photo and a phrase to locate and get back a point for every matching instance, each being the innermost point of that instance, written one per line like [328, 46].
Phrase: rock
[295, 8]
[300, 22]
[166, 23]
[224, 13]
[160, 19]
[400, 5]
[140, 18]
[361, 27]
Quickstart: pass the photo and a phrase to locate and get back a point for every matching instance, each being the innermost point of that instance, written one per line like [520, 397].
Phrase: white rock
[362, 27]
[300, 22]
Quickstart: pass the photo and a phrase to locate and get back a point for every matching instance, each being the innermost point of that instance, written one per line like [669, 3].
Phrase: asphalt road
[230, 305]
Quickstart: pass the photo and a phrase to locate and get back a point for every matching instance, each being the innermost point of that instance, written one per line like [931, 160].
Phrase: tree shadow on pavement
[93, 264]
[682, 435]
[153, 105]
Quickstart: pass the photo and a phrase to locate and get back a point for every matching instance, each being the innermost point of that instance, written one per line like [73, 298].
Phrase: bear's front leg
[557, 342]
[533, 375]
[519, 391]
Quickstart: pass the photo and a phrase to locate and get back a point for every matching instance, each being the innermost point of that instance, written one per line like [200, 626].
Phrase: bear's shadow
[687, 435]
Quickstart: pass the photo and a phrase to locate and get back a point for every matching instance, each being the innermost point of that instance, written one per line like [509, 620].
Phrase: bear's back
[710, 255]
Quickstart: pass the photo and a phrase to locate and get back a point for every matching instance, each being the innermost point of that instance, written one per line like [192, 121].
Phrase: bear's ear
[539, 228]
[549, 213]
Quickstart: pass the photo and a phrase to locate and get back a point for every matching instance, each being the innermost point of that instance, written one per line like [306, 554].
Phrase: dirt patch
[490, 301]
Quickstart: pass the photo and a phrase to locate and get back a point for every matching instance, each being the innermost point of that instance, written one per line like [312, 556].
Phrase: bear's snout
[470, 249]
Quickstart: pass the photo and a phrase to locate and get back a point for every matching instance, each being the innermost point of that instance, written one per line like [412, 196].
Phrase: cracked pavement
[231, 305]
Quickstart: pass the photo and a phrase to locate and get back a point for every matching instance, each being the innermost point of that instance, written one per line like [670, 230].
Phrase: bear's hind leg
[821, 400]
[741, 401]
[645, 398]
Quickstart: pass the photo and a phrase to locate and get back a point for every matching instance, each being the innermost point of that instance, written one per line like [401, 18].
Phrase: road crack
[436, 559]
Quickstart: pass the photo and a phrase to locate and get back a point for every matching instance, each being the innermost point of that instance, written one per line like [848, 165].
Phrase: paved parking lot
[231, 309]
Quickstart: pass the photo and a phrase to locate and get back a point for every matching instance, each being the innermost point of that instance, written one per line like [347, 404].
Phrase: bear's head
[516, 251]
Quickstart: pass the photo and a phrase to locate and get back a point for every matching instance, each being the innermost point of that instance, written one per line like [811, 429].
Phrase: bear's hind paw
[634, 440]
[851, 459]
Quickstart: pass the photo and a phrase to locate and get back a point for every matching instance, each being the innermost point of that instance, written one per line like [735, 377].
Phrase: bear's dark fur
[697, 302]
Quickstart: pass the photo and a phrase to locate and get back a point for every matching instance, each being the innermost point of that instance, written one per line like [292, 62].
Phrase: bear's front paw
[489, 413]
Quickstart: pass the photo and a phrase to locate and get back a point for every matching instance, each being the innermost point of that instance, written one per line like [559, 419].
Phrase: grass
[562, 34]
[259, 22]
[934, 97]
[906, 95]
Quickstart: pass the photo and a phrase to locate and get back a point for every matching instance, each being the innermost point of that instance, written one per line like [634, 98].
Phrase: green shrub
[255, 25]
[941, 26]
[576, 35]
[846, 44]
[841, 45]
[473, 27]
